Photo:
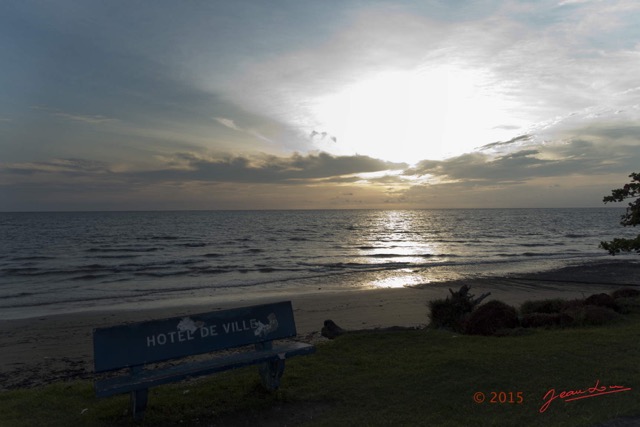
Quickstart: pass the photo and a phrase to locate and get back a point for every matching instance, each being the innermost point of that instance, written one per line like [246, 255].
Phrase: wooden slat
[151, 378]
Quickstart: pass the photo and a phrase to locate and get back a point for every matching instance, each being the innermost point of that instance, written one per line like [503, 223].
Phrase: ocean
[61, 262]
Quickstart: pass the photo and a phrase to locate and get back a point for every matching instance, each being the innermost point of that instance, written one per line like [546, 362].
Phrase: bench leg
[270, 373]
[139, 403]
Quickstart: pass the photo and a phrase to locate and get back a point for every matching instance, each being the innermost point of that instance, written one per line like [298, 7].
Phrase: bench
[135, 346]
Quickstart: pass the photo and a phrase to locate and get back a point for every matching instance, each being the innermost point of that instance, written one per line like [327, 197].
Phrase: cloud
[568, 2]
[369, 41]
[231, 124]
[534, 63]
[603, 132]
[191, 166]
[517, 139]
[84, 118]
[597, 151]
[296, 169]
[165, 86]
[322, 136]
[94, 119]
[569, 170]
[56, 167]
[228, 123]
[194, 180]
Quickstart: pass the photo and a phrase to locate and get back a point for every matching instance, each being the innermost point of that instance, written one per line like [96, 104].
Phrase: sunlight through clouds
[431, 113]
[402, 104]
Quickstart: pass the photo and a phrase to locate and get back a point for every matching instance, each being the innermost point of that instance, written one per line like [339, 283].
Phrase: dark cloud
[186, 179]
[185, 167]
[577, 156]
[611, 131]
[323, 135]
[57, 167]
[268, 169]
[521, 138]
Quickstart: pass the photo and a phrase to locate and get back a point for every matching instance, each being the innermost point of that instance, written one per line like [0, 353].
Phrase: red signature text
[570, 395]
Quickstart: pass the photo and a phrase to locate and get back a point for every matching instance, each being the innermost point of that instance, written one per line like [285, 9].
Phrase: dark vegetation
[490, 318]
[461, 312]
[631, 217]
[453, 312]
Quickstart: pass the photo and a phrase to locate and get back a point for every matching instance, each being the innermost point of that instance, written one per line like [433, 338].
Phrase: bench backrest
[158, 340]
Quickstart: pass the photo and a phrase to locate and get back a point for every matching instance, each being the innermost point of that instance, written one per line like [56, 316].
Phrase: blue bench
[135, 346]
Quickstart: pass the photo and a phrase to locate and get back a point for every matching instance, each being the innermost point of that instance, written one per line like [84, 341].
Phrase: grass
[424, 377]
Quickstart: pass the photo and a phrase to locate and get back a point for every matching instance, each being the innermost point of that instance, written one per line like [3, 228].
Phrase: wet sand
[53, 348]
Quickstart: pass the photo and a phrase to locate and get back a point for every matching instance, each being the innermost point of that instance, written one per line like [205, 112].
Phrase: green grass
[425, 377]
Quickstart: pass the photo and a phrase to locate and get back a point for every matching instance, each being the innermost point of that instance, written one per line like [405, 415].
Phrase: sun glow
[408, 116]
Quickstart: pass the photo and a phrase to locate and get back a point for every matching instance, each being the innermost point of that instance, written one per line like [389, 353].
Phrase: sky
[301, 104]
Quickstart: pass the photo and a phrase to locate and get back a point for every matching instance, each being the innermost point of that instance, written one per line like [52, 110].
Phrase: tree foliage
[630, 218]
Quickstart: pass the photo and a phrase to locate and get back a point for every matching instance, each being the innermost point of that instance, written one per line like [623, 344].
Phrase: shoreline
[41, 350]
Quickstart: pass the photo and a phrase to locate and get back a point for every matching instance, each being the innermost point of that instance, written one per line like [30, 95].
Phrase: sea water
[64, 262]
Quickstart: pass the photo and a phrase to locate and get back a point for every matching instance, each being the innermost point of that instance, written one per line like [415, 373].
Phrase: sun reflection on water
[403, 244]
[406, 279]
[399, 237]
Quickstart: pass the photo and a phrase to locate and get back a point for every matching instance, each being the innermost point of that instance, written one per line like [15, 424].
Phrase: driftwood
[331, 330]
[464, 295]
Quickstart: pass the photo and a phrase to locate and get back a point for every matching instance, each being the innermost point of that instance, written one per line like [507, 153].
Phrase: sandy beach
[54, 348]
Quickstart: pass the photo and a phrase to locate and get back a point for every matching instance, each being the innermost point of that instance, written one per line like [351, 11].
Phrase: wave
[89, 277]
[212, 255]
[576, 235]
[193, 245]
[161, 274]
[523, 254]
[390, 255]
[32, 258]
[124, 249]
[18, 295]
[115, 256]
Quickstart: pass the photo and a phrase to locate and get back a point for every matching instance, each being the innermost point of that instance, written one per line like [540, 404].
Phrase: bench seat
[155, 377]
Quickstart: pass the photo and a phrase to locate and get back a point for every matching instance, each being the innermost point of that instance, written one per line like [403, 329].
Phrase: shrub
[448, 314]
[601, 300]
[452, 312]
[542, 306]
[538, 320]
[625, 293]
[628, 305]
[490, 318]
[572, 305]
[593, 315]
